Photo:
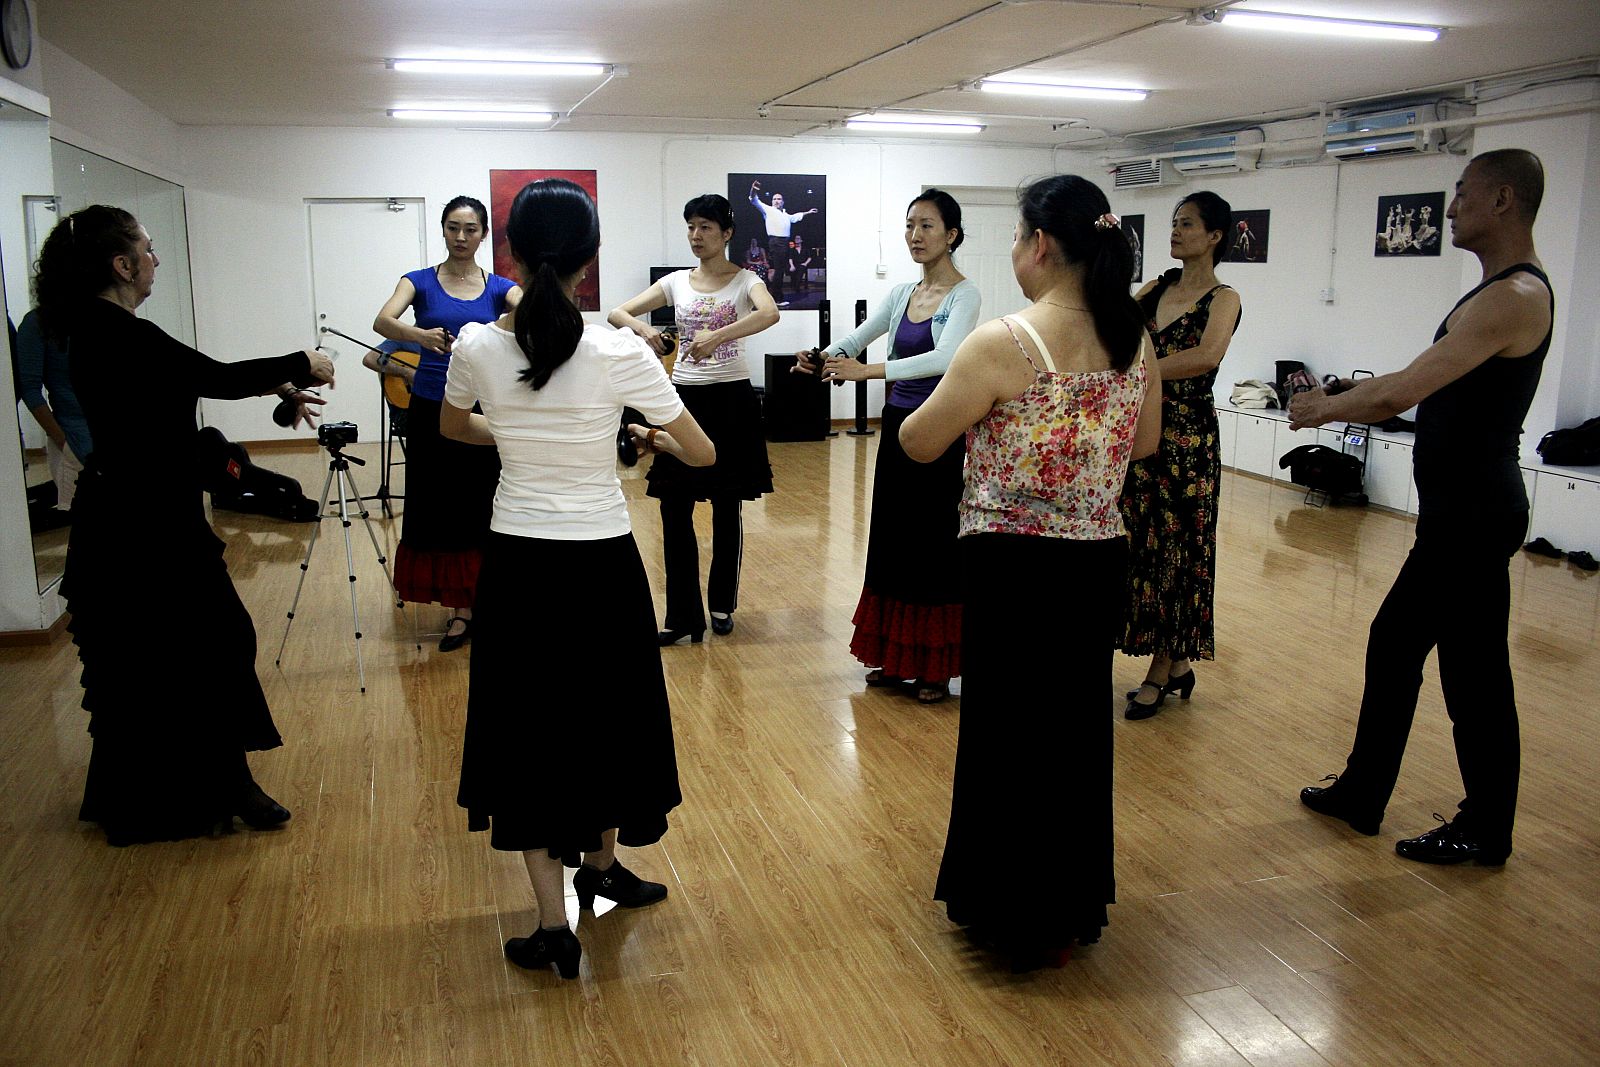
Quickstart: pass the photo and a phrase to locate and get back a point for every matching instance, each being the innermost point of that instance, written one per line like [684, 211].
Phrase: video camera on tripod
[335, 435]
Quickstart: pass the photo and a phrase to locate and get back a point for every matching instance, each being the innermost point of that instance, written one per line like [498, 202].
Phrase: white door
[985, 255]
[359, 250]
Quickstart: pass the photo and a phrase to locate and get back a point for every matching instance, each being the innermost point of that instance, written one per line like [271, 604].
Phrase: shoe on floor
[1447, 844]
[1333, 800]
[1583, 561]
[1540, 547]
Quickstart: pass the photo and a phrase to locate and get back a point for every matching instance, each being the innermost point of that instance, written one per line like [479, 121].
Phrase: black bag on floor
[236, 484]
[1324, 470]
[1575, 446]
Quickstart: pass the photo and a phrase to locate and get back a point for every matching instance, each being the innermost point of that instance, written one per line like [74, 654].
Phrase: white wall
[97, 115]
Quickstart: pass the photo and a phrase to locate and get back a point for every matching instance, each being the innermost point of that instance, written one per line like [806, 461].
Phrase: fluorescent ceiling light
[914, 123]
[1383, 31]
[446, 114]
[1031, 86]
[507, 67]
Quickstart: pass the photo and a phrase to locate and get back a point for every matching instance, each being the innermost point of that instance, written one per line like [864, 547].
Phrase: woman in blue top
[908, 621]
[449, 486]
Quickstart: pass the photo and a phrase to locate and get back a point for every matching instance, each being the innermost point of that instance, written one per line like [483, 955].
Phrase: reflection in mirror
[26, 214]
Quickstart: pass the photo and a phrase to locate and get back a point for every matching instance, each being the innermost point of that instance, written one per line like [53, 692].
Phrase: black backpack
[236, 484]
[1325, 470]
[1575, 446]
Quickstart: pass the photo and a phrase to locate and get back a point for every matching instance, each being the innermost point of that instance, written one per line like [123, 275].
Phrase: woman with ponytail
[717, 305]
[1169, 503]
[1055, 401]
[173, 707]
[449, 489]
[563, 587]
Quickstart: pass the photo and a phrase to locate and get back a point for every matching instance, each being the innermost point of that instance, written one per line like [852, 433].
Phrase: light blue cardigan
[956, 317]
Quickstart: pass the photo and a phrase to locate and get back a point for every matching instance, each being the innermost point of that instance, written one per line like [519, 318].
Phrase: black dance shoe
[616, 883]
[1183, 686]
[672, 637]
[259, 811]
[1333, 800]
[1136, 710]
[450, 642]
[1447, 844]
[722, 627]
[560, 947]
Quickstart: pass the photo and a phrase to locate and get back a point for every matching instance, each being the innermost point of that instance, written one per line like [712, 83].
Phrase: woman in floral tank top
[1055, 402]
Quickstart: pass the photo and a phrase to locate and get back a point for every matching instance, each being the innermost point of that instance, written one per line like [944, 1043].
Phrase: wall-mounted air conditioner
[1384, 134]
[1233, 152]
[1144, 174]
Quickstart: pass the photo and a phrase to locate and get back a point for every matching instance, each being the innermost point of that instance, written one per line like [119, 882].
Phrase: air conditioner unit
[1384, 134]
[1144, 174]
[1233, 152]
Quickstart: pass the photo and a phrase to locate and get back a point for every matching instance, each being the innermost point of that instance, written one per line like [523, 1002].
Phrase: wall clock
[16, 32]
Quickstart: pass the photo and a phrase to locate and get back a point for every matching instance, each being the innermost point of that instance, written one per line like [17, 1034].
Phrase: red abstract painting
[504, 185]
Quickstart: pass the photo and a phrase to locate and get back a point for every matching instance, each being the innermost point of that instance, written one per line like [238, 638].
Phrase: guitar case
[237, 484]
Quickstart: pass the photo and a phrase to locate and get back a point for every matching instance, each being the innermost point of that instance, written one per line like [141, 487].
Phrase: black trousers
[1453, 593]
[777, 264]
[681, 550]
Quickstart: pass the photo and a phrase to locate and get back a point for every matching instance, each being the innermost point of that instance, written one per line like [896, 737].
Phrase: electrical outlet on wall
[883, 270]
[1327, 296]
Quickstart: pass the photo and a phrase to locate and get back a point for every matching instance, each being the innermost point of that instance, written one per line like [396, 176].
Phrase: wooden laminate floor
[800, 928]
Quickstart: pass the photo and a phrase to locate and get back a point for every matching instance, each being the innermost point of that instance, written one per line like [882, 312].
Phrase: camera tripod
[339, 465]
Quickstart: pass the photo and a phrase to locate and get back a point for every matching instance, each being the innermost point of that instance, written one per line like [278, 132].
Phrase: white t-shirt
[558, 457]
[697, 311]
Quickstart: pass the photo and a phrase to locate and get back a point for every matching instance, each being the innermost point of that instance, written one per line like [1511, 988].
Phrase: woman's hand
[807, 362]
[321, 366]
[437, 340]
[654, 338]
[649, 440]
[844, 369]
[699, 347]
[304, 404]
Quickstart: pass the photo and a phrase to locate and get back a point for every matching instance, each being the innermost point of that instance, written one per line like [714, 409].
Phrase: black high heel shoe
[259, 811]
[1136, 710]
[672, 637]
[722, 627]
[450, 642]
[542, 948]
[1182, 686]
[616, 883]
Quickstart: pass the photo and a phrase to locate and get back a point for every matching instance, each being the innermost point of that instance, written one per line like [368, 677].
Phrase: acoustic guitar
[396, 390]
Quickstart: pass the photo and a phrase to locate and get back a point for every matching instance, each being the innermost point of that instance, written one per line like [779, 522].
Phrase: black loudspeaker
[795, 407]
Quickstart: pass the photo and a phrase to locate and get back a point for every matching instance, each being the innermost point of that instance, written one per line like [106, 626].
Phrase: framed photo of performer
[781, 228]
[1409, 225]
[1247, 239]
[1133, 226]
[504, 185]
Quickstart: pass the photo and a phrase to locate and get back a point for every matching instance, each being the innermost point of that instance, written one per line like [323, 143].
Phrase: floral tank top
[1051, 462]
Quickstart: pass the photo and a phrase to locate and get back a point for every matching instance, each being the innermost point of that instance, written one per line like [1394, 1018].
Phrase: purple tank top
[912, 339]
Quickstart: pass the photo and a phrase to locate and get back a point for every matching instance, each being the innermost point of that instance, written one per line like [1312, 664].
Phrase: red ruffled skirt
[921, 641]
[448, 577]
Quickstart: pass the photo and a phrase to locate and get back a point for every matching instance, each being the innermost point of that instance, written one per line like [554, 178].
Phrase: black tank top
[1469, 432]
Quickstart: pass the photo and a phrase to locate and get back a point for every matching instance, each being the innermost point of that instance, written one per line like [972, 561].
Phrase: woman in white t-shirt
[717, 305]
[557, 783]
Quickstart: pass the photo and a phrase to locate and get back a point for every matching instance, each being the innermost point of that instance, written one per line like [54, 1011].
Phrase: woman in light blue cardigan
[908, 621]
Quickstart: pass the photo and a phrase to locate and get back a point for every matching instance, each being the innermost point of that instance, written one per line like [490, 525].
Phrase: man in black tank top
[1472, 389]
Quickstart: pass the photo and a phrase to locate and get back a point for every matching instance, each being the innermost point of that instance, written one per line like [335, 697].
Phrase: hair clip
[1108, 221]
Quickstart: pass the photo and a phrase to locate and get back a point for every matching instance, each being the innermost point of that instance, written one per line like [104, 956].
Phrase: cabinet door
[1566, 511]
[1285, 440]
[1252, 446]
[1227, 430]
[1389, 475]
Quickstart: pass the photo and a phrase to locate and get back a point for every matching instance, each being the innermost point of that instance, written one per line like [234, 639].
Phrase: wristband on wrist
[650, 440]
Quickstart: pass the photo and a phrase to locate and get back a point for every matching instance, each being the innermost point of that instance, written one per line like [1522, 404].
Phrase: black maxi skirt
[1033, 762]
[730, 414]
[568, 730]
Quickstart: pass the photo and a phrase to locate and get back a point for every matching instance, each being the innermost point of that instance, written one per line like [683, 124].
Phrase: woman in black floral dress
[1169, 501]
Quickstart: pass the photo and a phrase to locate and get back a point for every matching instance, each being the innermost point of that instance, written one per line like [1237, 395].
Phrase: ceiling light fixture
[1028, 85]
[1327, 27]
[452, 114]
[914, 123]
[501, 67]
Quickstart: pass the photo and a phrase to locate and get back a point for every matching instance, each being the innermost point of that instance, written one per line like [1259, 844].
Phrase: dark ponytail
[554, 232]
[75, 262]
[1076, 213]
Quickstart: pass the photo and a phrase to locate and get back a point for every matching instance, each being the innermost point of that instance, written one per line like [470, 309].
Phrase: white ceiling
[705, 66]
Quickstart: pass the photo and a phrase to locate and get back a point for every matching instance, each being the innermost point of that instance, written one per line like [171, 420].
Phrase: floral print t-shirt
[1050, 462]
[697, 312]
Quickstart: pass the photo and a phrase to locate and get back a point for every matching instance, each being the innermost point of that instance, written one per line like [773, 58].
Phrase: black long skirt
[908, 620]
[730, 414]
[172, 709]
[1033, 761]
[449, 490]
[568, 729]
